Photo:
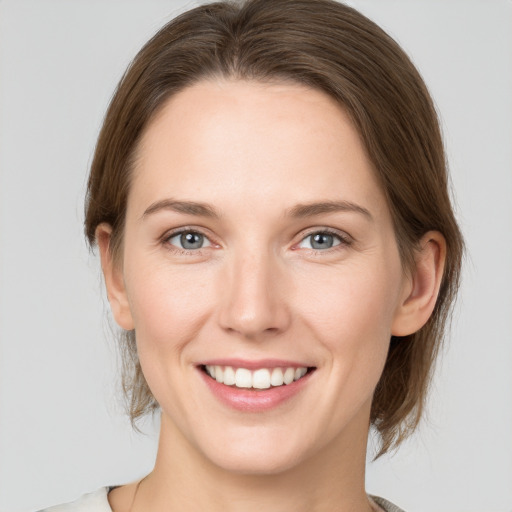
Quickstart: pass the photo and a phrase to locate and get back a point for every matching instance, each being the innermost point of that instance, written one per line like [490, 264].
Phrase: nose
[254, 303]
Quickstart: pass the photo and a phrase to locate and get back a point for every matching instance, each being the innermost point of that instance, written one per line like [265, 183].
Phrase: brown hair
[333, 48]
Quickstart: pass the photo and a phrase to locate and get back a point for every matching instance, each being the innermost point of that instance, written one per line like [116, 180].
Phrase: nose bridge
[254, 301]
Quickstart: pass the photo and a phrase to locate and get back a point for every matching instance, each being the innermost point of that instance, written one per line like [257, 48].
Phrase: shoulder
[98, 502]
[93, 502]
[385, 505]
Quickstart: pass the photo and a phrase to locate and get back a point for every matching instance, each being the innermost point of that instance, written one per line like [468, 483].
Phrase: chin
[256, 464]
[256, 454]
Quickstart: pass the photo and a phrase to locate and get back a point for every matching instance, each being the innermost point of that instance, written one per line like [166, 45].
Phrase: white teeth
[276, 378]
[229, 376]
[243, 378]
[299, 372]
[263, 378]
[289, 375]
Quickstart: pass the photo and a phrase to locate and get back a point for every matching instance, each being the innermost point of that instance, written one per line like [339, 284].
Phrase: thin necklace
[374, 506]
[135, 493]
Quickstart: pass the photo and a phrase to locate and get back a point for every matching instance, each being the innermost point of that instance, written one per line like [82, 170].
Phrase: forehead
[227, 139]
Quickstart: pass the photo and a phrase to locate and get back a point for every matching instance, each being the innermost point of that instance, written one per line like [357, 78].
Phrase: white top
[92, 502]
[98, 502]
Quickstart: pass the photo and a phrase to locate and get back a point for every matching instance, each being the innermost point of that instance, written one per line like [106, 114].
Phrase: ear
[422, 286]
[114, 279]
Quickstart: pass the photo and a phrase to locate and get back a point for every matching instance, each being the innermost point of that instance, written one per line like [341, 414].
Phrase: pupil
[191, 240]
[322, 241]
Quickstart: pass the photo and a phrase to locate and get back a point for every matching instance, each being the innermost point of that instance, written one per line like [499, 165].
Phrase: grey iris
[322, 241]
[191, 240]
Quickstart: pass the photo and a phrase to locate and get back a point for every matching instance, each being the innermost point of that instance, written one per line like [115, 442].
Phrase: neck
[184, 479]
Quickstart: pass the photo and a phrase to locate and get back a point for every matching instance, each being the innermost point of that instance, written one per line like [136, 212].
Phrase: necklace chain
[373, 505]
[135, 493]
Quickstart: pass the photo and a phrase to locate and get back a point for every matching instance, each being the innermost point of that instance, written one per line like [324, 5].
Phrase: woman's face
[258, 242]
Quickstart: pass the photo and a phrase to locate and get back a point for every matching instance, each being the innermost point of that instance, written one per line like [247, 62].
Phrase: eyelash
[344, 241]
[197, 252]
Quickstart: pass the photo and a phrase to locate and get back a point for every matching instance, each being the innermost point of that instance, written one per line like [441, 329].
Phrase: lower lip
[254, 400]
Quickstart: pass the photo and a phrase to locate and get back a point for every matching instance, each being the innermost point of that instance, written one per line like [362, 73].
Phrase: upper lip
[254, 364]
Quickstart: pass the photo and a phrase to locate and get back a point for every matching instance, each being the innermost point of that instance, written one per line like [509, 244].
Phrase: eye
[321, 240]
[189, 240]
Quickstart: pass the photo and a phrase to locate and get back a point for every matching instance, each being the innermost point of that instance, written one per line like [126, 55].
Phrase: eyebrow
[312, 209]
[186, 207]
[297, 211]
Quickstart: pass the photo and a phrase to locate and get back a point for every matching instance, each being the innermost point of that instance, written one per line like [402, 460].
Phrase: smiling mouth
[262, 378]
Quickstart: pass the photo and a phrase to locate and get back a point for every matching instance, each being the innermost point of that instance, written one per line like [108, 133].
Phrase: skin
[258, 290]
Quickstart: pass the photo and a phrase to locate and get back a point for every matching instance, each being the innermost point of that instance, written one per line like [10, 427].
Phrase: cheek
[361, 293]
[169, 304]
[169, 307]
[351, 311]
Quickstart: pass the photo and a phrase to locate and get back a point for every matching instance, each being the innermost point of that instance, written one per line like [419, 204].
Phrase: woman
[269, 199]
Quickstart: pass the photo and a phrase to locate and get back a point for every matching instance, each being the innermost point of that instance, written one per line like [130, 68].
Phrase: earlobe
[422, 288]
[114, 279]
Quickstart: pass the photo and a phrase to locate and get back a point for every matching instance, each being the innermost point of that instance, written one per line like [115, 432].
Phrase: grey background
[62, 432]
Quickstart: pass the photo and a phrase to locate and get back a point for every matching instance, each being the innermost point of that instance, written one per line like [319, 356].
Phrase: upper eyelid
[343, 235]
[332, 231]
[174, 234]
[186, 229]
